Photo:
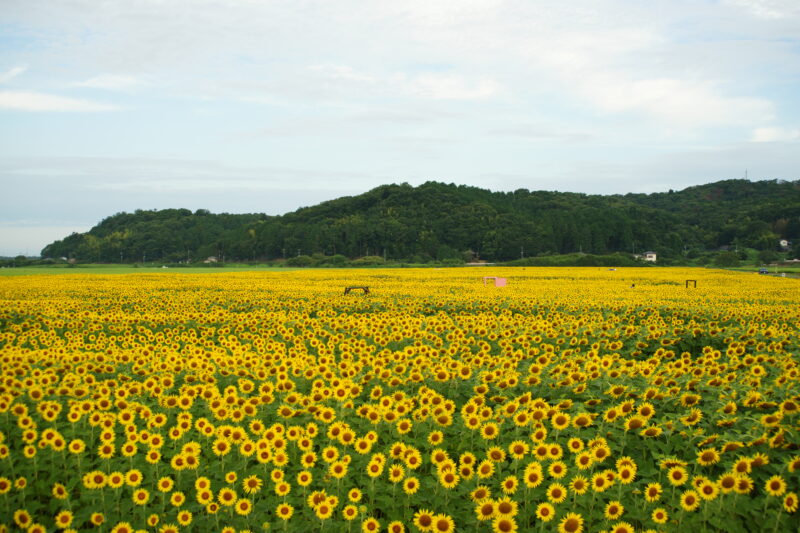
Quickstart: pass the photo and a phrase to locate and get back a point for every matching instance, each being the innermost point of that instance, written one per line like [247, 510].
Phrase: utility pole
[522, 252]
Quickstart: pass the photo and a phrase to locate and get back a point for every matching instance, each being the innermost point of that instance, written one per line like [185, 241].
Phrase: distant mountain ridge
[446, 221]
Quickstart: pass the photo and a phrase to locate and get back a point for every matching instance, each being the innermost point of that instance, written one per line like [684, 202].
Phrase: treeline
[437, 221]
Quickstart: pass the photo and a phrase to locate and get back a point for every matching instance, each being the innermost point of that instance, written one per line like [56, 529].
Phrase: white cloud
[34, 101]
[776, 135]
[345, 80]
[676, 102]
[110, 81]
[769, 9]
[450, 87]
[13, 73]
[515, 83]
[342, 72]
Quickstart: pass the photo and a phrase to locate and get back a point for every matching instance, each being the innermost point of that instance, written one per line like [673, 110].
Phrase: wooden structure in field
[362, 288]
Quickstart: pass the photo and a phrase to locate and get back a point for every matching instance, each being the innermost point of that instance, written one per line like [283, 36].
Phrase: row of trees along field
[443, 221]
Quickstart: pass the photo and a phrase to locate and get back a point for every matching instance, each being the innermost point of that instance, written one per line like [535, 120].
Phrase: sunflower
[651, 431]
[140, 496]
[63, 519]
[510, 484]
[284, 511]
[653, 491]
[177, 499]
[560, 421]
[396, 473]
[133, 478]
[23, 519]
[708, 457]
[94, 480]
[677, 476]
[221, 447]
[545, 512]
[726, 482]
[226, 496]
[790, 502]
[337, 469]
[165, 484]
[504, 524]
[448, 479]
[742, 466]
[354, 495]
[506, 507]
[775, 486]
[480, 493]
[76, 446]
[252, 484]
[122, 527]
[583, 460]
[708, 490]
[324, 510]
[489, 431]
[614, 510]
[243, 507]
[744, 484]
[485, 510]
[485, 469]
[556, 493]
[557, 469]
[423, 519]
[659, 515]
[622, 527]
[350, 512]
[518, 449]
[396, 527]
[690, 500]
[600, 482]
[496, 454]
[533, 475]
[410, 485]
[571, 523]
[442, 523]
[60, 491]
[575, 445]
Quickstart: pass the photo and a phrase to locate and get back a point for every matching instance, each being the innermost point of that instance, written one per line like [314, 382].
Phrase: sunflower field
[569, 400]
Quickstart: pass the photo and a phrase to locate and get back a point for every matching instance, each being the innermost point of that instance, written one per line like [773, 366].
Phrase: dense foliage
[440, 221]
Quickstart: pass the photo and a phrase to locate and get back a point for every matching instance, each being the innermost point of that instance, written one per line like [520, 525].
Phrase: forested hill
[443, 221]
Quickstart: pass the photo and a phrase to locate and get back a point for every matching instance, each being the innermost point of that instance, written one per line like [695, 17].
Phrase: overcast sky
[267, 106]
